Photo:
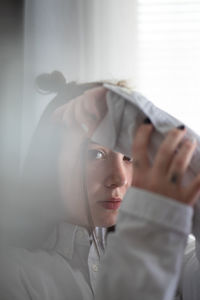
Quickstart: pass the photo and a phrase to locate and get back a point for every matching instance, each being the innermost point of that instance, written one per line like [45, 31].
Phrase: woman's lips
[113, 203]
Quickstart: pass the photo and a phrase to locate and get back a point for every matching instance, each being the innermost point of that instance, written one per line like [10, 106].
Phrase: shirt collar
[65, 236]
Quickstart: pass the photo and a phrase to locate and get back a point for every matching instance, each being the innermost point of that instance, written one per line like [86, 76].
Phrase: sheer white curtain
[108, 39]
[51, 42]
[86, 40]
[153, 43]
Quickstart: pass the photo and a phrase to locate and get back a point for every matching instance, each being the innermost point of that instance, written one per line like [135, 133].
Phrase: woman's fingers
[84, 112]
[181, 161]
[167, 149]
[90, 109]
[140, 147]
[65, 114]
[94, 103]
[171, 162]
[193, 191]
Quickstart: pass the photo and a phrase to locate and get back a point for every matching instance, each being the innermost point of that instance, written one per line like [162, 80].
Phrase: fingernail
[181, 127]
[147, 121]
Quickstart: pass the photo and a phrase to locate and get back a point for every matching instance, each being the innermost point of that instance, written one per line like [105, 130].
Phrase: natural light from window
[168, 59]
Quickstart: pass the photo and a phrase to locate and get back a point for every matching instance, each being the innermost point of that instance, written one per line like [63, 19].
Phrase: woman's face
[108, 176]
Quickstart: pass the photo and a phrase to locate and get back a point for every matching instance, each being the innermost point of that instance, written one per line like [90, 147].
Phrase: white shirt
[142, 261]
[189, 285]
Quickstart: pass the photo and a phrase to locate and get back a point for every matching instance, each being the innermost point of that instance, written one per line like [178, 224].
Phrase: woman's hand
[170, 164]
[84, 113]
[79, 118]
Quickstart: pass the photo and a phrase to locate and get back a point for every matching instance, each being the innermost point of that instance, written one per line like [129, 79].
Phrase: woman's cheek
[94, 178]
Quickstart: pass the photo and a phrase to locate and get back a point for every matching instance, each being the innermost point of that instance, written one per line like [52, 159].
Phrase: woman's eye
[128, 159]
[96, 154]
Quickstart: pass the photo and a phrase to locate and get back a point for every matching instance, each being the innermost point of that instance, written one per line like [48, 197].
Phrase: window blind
[168, 59]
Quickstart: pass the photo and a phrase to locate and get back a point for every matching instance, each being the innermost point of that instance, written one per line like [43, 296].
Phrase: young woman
[72, 185]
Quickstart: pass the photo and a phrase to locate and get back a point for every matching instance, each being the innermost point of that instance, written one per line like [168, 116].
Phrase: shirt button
[94, 268]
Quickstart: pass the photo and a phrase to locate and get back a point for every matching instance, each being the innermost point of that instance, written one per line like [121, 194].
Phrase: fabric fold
[126, 111]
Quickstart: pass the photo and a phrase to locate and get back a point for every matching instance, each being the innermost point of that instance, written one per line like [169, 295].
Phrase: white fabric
[142, 260]
[126, 111]
[59, 270]
[145, 255]
[189, 286]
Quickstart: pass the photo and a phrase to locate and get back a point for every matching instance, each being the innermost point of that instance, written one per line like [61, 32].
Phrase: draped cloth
[126, 111]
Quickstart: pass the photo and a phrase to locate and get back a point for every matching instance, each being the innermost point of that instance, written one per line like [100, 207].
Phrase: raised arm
[144, 255]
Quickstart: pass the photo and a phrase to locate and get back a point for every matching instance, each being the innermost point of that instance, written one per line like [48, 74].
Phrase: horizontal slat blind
[168, 60]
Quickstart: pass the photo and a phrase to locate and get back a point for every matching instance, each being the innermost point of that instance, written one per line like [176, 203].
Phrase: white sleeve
[189, 286]
[144, 255]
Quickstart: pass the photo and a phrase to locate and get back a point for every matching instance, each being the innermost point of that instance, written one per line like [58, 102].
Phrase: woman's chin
[107, 222]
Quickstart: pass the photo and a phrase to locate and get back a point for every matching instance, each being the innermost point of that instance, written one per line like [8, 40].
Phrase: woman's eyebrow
[91, 143]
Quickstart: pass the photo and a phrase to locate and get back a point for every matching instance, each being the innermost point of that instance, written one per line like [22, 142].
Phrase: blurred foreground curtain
[85, 40]
[11, 92]
[155, 43]
[108, 39]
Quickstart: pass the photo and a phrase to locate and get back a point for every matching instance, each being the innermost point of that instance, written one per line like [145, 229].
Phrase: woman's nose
[117, 176]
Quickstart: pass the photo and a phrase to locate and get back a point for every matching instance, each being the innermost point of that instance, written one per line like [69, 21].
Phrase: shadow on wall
[55, 82]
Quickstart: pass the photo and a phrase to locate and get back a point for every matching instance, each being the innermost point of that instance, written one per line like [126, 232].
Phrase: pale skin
[168, 165]
[110, 174]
